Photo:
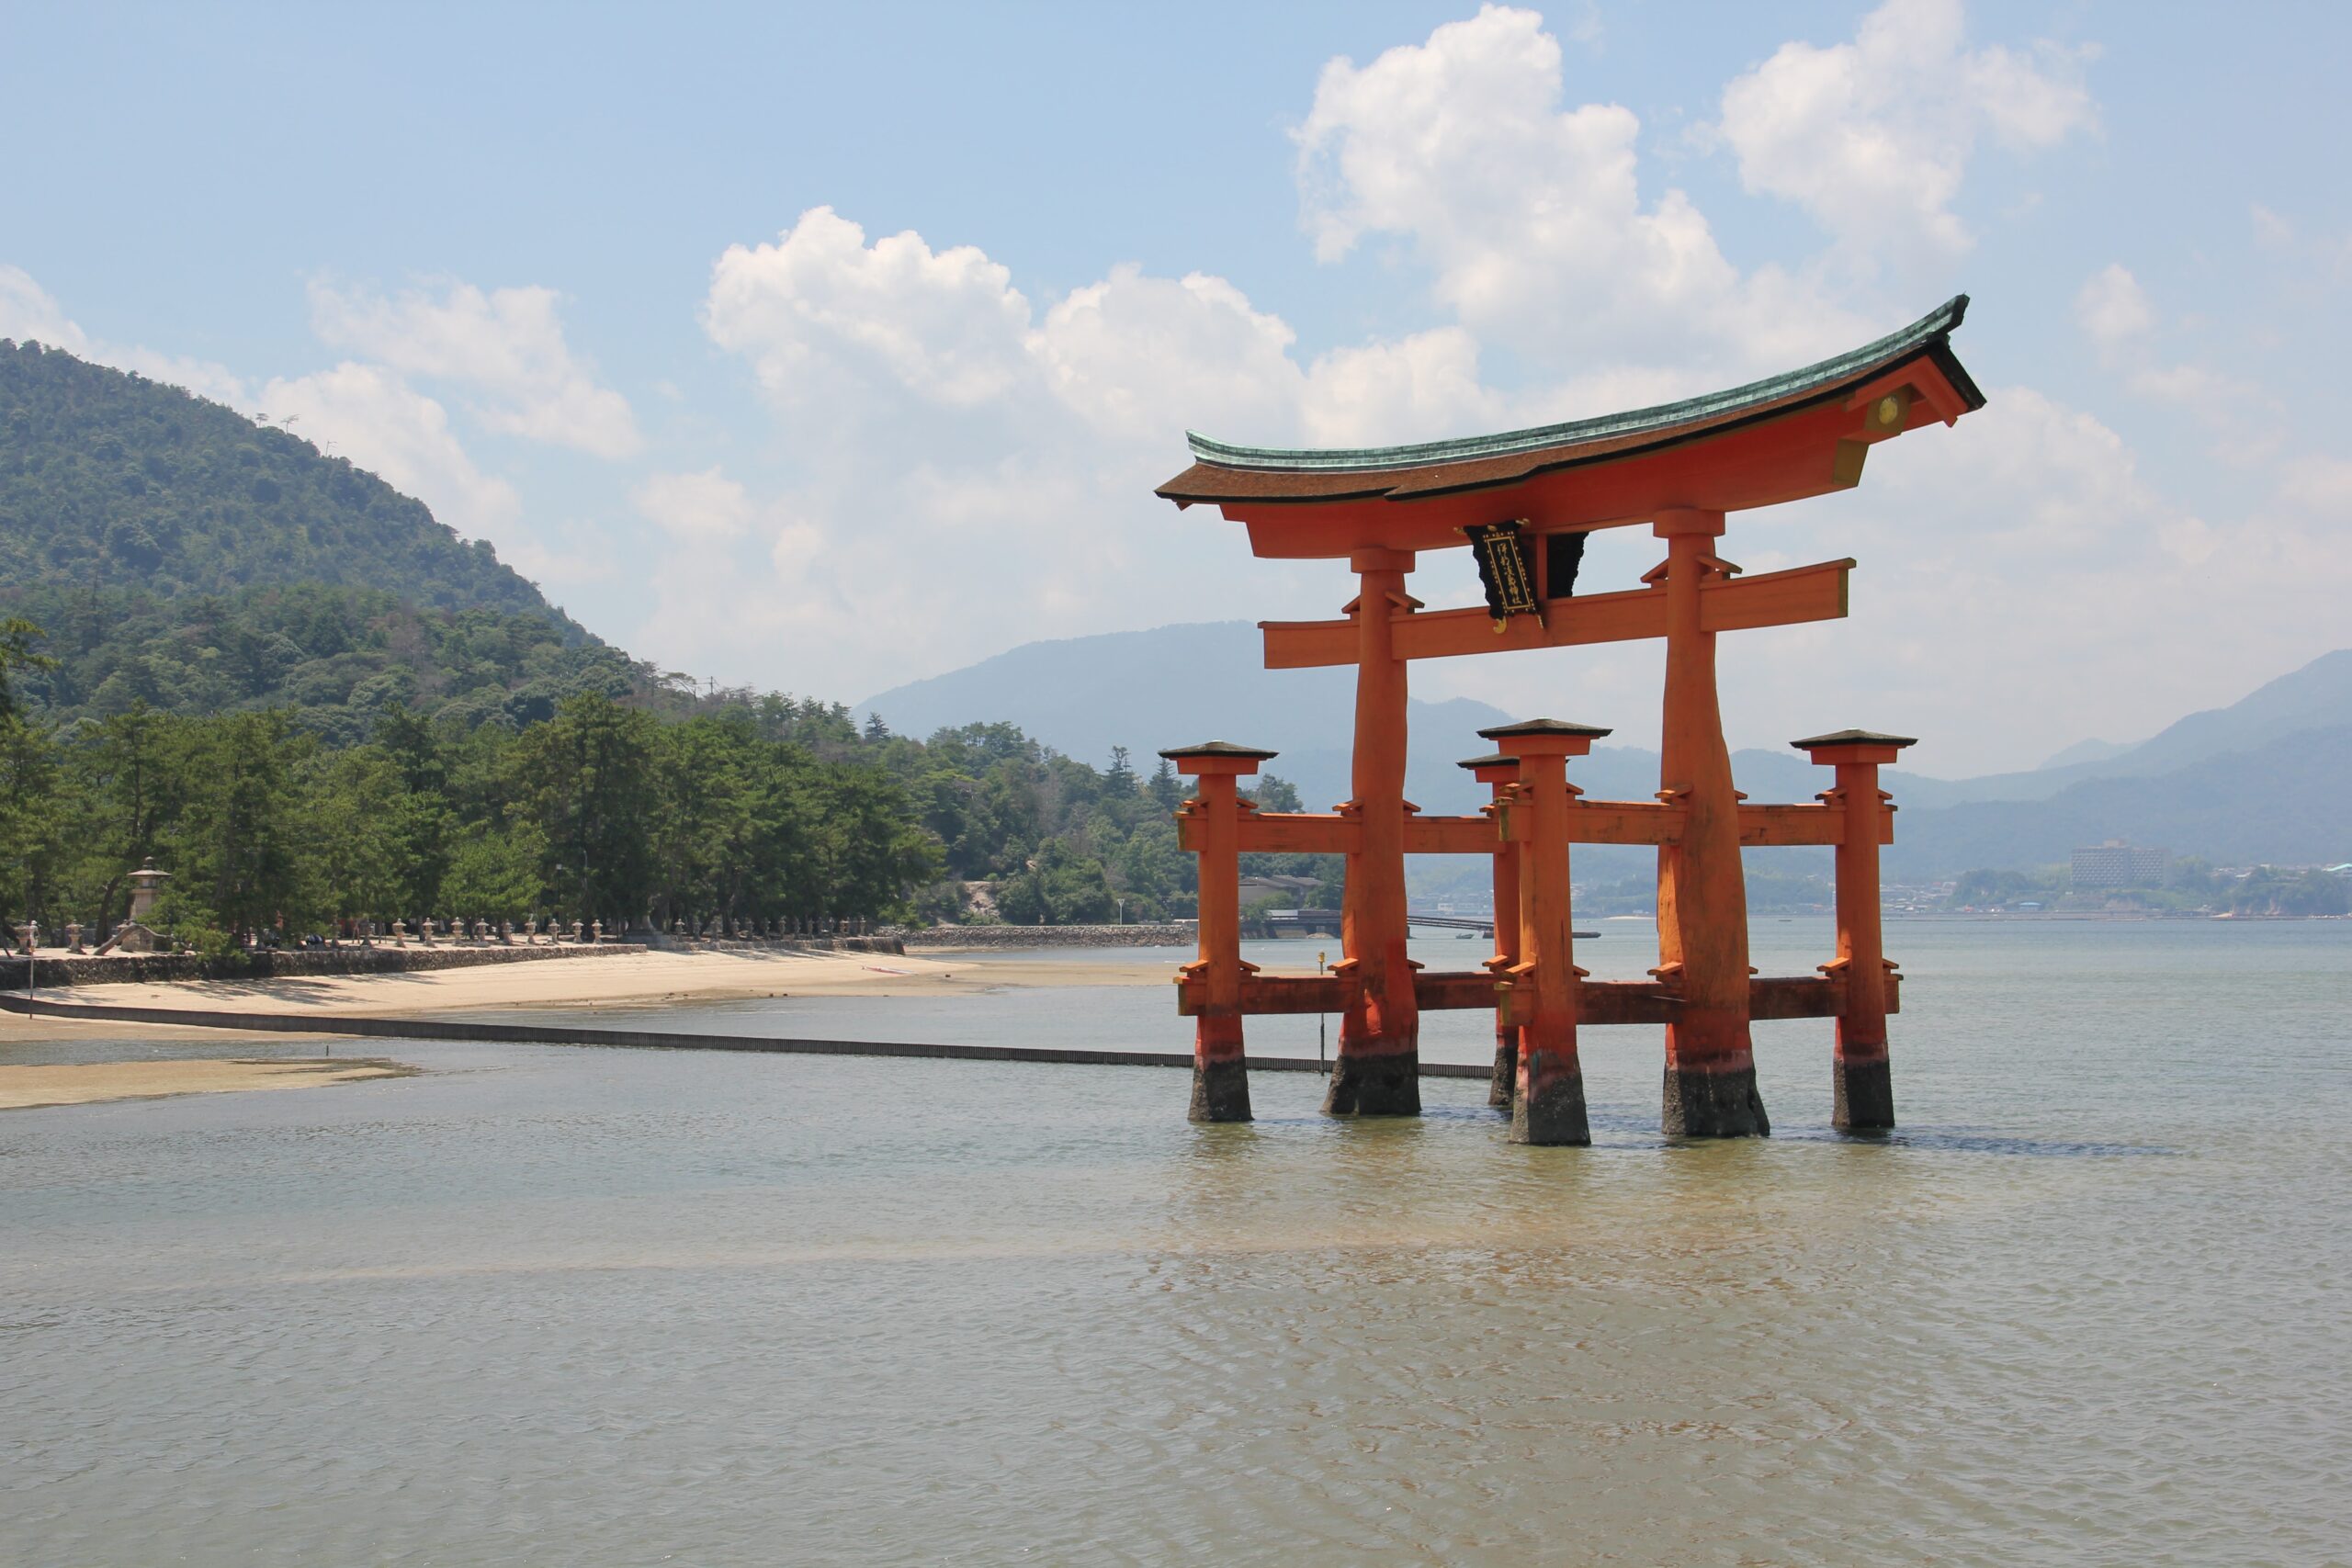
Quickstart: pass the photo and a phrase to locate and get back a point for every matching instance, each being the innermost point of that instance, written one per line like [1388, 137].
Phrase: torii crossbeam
[1679, 469]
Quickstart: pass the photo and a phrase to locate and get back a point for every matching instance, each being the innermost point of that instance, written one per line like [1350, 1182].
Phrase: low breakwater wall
[759, 945]
[1170, 933]
[652, 1040]
[117, 969]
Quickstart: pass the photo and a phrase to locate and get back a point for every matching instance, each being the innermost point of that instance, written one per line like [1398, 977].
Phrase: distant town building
[2118, 864]
[1289, 889]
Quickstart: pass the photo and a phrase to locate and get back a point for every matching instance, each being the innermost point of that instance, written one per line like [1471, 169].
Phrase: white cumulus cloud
[1873, 137]
[820, 304]
[506, 347]
[1531, 214]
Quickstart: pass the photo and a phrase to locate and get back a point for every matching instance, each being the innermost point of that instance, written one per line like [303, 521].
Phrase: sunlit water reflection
[549, 1305]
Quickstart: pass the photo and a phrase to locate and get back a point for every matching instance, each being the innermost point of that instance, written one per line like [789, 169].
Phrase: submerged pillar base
[1220, 1091]
[1551, 1111]
[1722, 1104]
[1504, 1087]
[1385, 1085]
[1865, 1097]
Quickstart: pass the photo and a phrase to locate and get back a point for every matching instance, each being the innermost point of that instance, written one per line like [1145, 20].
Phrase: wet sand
[90, 1083]
[619, 979]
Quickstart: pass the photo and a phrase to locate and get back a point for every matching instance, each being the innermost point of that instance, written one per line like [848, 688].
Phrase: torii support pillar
[1377, 1071]
[1710, 1088]
[1548, 1105]
[1500, 771]
[1220, 1076]
[1864, 1089]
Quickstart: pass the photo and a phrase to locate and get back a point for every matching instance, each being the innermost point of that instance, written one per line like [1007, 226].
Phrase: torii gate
[1681, 468]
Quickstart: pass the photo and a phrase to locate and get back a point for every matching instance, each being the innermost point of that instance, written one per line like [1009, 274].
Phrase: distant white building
[2116, 863]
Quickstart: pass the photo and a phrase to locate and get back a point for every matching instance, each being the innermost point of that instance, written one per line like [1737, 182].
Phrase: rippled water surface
[563, 1305]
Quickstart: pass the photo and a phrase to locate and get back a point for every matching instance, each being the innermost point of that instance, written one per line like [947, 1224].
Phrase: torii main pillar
[1378, 1069]
[1701, 890]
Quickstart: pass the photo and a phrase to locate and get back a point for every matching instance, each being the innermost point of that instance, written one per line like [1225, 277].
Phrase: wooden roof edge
[1222, 472]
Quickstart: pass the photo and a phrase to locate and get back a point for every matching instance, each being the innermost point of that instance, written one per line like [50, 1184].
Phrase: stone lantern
[146, 887]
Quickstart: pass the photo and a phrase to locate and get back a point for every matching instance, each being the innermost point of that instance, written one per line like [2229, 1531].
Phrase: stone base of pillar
[1714, 1105]
[1220, 1091]
[1386, 1085]
[1552, 1114]
[1865, 1097]
[1504, 1083]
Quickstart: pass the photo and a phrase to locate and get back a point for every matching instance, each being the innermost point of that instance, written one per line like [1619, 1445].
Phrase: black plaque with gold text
[1504, 570]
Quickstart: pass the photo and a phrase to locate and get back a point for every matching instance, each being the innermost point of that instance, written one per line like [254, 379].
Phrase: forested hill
[109, 480]
[338, 659]
[178, 556]
[312, 705]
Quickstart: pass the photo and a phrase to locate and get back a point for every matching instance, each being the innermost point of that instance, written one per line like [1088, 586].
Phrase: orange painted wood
[1794, 597]
[1862, 951]
[1284, 832]
[1701, 892]
[1604, 822]
[1787, 824]
[1306, 645]
[1451, 836]
[1381, 1020]
[1455, 991]
[1623, 822]
[1764, 464]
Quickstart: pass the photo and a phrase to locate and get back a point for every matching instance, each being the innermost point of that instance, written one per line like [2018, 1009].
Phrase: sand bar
[89, 1083]
[638, 979]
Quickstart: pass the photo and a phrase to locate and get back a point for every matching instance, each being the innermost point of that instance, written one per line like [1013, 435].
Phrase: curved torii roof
[1801, 433]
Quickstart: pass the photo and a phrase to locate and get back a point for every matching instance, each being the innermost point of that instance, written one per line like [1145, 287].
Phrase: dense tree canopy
[730, 806]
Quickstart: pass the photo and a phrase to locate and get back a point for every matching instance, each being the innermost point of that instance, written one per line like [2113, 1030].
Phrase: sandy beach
[617, 980]
[90, 1083]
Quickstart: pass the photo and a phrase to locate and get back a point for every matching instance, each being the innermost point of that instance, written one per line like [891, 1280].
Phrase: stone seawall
[1173, 934]
[88, 969]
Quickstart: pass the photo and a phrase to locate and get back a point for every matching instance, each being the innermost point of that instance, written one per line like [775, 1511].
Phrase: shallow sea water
[567, 1306]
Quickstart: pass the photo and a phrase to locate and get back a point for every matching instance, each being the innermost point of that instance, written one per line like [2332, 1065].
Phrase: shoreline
[645, 978]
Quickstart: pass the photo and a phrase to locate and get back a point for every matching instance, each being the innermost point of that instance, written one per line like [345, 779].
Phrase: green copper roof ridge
[1925, 333]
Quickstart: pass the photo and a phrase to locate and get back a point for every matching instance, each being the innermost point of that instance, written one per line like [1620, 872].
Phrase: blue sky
[827, 348]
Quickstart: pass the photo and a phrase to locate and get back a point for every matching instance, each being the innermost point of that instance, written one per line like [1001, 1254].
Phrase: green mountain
[180, 556]
[340, 658]
[111, 480]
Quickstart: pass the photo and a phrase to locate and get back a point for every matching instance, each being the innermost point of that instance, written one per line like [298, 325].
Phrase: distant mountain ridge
[2267, 778]
[2316, 696]
[1174, 685]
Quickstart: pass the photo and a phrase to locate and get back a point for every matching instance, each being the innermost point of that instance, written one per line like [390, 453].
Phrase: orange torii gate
[1526, 500]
